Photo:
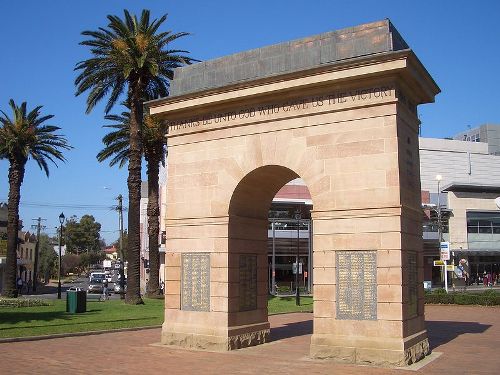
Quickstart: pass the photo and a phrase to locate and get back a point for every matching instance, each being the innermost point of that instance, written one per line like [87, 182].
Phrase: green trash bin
[76, 301]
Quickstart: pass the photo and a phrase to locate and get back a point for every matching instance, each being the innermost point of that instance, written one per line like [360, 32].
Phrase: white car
[74, 289]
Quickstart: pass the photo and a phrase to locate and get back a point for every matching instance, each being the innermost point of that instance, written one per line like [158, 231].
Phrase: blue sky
[457, 41]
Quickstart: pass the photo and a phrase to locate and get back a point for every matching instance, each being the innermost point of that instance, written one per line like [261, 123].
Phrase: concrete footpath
[464, 340]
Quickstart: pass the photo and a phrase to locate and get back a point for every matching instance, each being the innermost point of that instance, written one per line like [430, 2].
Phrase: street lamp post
[61, 221]
[297, 292]
[440, 231]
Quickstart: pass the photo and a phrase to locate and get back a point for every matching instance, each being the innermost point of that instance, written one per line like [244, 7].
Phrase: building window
[31, 254]
[483, 222]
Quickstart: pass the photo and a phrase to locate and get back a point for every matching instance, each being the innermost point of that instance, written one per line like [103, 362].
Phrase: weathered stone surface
[370, 356]
[248, 339]
[295, 55]
[215, 343]
[417, 352]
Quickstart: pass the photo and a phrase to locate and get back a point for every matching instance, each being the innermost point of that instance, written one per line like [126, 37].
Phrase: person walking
[19, 283]
[105, 290]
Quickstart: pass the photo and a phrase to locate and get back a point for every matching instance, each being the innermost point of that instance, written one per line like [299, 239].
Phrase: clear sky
[457, 41]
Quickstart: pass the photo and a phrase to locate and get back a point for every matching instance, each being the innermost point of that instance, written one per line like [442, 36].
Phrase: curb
[73, 334]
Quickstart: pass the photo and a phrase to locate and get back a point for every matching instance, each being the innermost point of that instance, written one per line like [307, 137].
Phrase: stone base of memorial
[237, 338]
[374, 351]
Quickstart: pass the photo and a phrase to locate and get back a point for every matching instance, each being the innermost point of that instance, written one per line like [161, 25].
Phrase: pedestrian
[105, 289]
[19, 283]
[28, 285]
[488, 277]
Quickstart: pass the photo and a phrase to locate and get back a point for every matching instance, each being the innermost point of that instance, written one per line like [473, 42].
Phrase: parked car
[96, 285]
[74, 289]
[97, 275]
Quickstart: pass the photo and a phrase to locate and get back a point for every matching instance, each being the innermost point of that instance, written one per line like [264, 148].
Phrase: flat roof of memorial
[288, 57]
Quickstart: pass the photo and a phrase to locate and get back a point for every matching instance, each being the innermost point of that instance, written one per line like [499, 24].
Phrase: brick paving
[468, 337]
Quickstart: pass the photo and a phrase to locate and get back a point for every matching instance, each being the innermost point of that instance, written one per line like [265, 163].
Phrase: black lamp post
[61, 221]
[298, 216]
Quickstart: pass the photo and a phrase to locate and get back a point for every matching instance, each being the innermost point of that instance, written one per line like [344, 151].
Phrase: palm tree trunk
[133, 295]
[153, 164]
[16, 176]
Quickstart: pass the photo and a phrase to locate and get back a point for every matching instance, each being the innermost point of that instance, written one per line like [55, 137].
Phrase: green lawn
[279, 305]
[44, 320]
[113, 314]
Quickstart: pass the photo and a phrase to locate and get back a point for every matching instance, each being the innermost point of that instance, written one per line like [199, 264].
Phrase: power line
[68, 206]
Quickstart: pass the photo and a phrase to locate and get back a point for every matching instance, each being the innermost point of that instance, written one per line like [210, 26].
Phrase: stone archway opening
[248, 252]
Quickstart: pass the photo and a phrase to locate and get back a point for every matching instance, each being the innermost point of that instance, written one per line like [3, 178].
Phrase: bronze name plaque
[356, 285]
[195, 282]
[248, 282]
[412, 283]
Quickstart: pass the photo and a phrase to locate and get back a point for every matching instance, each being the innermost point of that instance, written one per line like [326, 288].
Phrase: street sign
[438, 263]
[450, 267]
[294, 268]
[445, 250]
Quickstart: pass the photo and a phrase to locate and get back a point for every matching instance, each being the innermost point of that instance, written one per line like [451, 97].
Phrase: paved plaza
[464, 340]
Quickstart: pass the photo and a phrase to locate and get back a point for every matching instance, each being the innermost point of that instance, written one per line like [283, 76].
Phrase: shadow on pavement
[442, 332]
[292, 330]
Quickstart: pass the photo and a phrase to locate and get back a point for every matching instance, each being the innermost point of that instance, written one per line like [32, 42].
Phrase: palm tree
[130, 56]
[154, 147]
[24, 136]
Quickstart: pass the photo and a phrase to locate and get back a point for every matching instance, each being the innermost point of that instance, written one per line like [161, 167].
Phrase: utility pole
[119, 208]
[298, 216]
[38, 226]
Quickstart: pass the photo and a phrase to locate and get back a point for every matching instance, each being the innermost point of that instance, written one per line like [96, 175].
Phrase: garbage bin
[76, 301]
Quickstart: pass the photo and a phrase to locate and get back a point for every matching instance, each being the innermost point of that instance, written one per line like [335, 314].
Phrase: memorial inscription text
[326, 100]
[356, 285]
[248, 282]
[412, 283]
[195, 282]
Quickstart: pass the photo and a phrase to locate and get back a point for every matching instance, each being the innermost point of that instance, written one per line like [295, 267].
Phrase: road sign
[450, 267]
[438, 263]
[445, 250]
[294, 268]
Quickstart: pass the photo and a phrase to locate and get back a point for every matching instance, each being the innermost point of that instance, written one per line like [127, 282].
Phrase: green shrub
[440, 291]
[490, 292]
[489, 298]
[23, 302]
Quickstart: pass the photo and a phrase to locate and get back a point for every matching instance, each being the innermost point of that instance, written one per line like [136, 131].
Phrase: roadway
[49, 291]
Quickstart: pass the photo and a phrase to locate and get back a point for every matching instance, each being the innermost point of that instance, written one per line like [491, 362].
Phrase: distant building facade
[486, 133]
[470, 182]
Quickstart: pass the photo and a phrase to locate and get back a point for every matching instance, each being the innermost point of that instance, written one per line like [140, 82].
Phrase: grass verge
[46, 320]
[101, 316]
[279, 305]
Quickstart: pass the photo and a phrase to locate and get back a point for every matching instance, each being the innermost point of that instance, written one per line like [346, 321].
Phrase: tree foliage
[83, 236]
[90, 259]
[47, 257]
[24, 135]
[131, 56]
[70, 263]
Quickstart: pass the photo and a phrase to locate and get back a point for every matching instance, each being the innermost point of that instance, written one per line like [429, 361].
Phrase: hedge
[488, 298]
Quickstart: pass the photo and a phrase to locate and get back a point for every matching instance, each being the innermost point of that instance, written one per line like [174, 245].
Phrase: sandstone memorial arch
[338, 110]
